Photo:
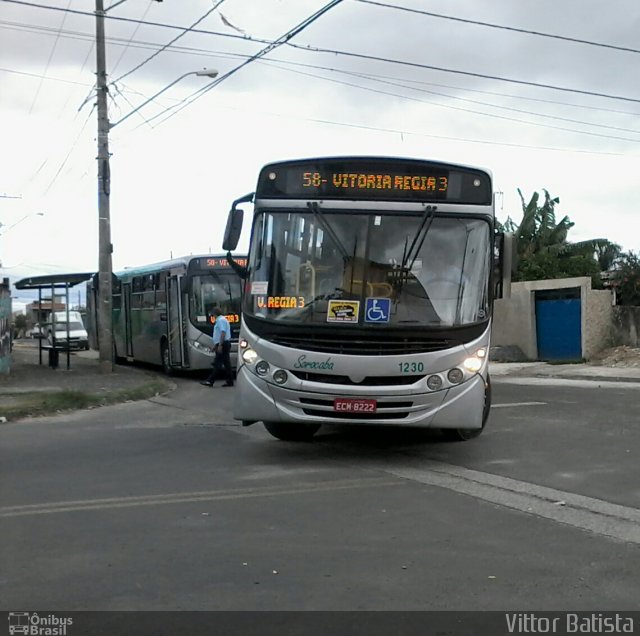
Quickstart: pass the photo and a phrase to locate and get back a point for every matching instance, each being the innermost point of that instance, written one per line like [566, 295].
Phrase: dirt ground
[622, 356]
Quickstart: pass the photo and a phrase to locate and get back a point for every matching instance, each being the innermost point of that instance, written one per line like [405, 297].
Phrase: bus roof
[215, 261]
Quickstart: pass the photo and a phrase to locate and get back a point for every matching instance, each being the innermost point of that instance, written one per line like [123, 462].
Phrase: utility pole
[105, 322]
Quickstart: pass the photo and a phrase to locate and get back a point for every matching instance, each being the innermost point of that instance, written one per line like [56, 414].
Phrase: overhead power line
[189, 50]
[283, 39]
[315, 49]
[118, 18]
[375, 58]
[492, 115]
[503, 27]
[184, 31]
[51, 53]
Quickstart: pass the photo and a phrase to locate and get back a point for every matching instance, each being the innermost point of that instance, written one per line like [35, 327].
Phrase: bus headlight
[280, 376]
[249, 356]
[455, 376]
[262, 368]
[472, 364]
[242, 343]
[434, 382]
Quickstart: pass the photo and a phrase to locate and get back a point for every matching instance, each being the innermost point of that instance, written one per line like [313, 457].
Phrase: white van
[77, 334]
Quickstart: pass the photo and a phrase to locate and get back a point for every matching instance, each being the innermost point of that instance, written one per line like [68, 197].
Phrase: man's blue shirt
[221, 324]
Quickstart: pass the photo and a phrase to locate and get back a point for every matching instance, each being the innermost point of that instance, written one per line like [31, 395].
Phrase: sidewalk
[584, 371]
[30, 386]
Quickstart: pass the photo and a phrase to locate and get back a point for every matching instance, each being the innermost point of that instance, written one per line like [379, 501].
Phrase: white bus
[162, 313]
[369, 294]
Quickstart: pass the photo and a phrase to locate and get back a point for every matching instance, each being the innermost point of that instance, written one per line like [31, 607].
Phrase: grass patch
[52, 402]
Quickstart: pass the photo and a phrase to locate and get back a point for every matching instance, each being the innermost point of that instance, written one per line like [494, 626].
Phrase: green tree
[542, 247]
[626, 279]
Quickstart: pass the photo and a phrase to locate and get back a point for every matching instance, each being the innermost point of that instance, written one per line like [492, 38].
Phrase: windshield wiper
[419, 237]
[322, 220]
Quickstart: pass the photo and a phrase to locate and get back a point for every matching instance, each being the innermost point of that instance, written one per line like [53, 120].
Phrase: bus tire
[465, 434]
[164, 356]
[290, 432]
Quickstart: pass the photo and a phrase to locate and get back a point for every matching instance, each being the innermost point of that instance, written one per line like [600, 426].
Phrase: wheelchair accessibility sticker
[377, 310]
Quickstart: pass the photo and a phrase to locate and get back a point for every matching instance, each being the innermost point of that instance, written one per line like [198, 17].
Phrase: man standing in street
[222, 350]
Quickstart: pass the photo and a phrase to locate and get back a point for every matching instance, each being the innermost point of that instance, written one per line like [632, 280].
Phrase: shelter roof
[55, 280]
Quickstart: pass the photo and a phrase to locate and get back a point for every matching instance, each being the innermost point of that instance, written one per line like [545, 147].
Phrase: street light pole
[105, 321]
[205, 72]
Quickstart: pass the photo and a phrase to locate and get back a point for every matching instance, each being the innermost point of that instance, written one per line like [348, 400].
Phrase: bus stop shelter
[53, 283]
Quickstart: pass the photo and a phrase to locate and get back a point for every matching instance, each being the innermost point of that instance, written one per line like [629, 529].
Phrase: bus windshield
[366, 268]
[221, 289]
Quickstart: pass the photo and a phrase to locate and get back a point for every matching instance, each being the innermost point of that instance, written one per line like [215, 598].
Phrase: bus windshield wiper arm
[420, 235]
[318, 214]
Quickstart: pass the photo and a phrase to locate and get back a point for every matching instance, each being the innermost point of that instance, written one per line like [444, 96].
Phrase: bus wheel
[164, 353]
[292, 432]
[465, 434]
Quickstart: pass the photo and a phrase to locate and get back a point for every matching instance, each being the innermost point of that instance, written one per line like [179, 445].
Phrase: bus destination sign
[374, 179]
[215, 262]
[369, 181]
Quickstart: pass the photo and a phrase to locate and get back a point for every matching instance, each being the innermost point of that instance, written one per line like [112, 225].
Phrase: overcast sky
[173, 179]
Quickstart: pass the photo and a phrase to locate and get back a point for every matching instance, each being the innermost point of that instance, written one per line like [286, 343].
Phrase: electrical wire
[335, 52]
[51, 53]
[480, 103]
[501, 26]
[66, 159]
[375, 58]
[283, 39]
[493, 115]
[77, 35]
[164, 47]
[130, 40]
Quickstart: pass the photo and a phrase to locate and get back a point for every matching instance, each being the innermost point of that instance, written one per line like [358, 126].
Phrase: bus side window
[136, 292]
[161, 290]
[148, 292]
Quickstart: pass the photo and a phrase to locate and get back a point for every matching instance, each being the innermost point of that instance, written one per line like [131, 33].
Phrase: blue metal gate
[558, 324]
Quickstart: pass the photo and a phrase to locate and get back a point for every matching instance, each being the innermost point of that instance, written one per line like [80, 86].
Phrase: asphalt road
[170, 504]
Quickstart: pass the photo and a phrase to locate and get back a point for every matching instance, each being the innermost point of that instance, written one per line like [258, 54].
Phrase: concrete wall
[597, 321]
[626, 326]
[514, 321]
[5, 326]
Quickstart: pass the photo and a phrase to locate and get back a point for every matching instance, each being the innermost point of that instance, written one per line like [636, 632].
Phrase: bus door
[174, 321]
[126, 308]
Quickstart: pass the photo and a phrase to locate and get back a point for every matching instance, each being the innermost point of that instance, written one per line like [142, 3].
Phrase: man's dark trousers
[222, 361]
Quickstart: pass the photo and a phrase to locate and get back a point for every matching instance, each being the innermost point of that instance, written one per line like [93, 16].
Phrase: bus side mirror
[233, 229]
[234, 223]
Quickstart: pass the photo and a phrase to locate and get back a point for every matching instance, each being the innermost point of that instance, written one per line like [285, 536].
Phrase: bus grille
[373, 380]
[363, 345]
[326, 411]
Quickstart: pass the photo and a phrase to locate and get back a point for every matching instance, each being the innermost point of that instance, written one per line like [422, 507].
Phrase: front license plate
[354, 405]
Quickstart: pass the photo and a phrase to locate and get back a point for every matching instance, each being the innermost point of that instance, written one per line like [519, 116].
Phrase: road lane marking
[586, 513]
[510, 404]
[190, 497]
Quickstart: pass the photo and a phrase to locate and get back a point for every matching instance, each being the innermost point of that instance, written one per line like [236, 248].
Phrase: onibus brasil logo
[33, 624]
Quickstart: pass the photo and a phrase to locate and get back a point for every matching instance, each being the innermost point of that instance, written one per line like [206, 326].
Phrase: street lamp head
[207, 72]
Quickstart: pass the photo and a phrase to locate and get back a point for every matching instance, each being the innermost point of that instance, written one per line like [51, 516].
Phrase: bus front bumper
[460, 406]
